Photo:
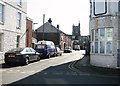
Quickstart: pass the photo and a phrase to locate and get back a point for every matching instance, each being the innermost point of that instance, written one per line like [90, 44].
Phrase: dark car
[21, 55]
[46, 48]
[67, 50]
[58, 51]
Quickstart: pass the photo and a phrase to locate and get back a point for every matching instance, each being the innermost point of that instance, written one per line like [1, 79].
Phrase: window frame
[105, 41]
[18, 41]
[2, 13]
[1, 42]
[94, 8]
[19, 17]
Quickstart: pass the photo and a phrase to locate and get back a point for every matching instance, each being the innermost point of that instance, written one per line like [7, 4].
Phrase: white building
[105, 33]
[12, 24]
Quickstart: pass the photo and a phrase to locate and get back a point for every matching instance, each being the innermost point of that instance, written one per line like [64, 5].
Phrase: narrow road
[55, 70]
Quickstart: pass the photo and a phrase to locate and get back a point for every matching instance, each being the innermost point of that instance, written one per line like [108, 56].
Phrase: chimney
[58, 26]
[50, 21]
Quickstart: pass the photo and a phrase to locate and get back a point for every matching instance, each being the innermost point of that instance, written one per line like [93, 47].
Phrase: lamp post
[34, 41]
[33, 26]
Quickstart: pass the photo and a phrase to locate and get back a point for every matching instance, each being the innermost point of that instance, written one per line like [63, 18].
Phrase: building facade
[52, 33]
[12, 24]
[76, 32]
[29, 32]
[104, 32]
[76, 35]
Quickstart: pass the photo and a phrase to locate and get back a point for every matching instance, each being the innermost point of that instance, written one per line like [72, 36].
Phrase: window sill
[102, 54]
[18, 28]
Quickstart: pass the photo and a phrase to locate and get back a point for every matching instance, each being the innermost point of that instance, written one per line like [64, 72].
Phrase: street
[55, 70]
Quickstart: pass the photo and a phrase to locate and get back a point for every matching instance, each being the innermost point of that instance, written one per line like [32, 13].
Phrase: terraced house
[12, 24]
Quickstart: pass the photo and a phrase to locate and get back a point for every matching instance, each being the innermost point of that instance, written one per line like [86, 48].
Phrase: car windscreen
[15, 50]
[67, 47]
[40, 46]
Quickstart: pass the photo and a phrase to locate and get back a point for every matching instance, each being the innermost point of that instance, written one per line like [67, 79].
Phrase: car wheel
[26, 61]
[7, 62]
[48, 56]
[55, 55]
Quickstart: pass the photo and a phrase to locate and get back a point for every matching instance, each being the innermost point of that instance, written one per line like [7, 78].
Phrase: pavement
[85, 66]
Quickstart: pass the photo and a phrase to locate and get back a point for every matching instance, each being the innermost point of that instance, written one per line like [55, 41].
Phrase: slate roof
[49, 28]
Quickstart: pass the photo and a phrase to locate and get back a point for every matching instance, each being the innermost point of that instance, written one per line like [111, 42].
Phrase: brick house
[54, 34]
[30, 33]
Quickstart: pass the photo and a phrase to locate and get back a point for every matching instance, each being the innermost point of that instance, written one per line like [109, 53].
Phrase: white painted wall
[8, 29]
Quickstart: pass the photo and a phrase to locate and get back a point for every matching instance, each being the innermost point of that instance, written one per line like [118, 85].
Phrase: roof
[49, 28]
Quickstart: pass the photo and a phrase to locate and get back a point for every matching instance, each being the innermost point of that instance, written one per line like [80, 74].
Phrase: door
[34, 54]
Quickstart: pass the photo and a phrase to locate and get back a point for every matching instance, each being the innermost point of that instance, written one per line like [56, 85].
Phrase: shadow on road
[63, 75]
[60, 74]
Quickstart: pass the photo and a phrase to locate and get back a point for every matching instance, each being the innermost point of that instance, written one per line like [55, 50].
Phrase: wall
[29, 28]
[8, 28]
[107, 20]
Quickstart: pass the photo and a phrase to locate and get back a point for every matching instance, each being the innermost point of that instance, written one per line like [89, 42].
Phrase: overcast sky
[62, 12]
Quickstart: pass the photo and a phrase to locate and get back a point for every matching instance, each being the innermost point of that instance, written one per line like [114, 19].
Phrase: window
[96, 47]
[119, 6]
[19, 2]
[96, 35]
[28, 50]
[103, 41]
[102, 47]
[96, 41]
[109, 41]
[100, 7]
[1, 13]
[109, 34]
[18, 20]
[18, 41]
[109, 47]
[102, 34]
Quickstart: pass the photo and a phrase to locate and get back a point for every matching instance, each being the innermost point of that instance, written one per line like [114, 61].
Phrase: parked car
[67, 49]
[76, 47]
[46, 48]
[58, 51]
[21, 55]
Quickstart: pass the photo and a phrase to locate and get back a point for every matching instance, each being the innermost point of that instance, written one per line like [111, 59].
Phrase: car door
[34, 54]
[29, 53]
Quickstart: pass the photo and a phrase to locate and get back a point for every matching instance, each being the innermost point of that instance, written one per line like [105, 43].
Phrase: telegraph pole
[43, 24]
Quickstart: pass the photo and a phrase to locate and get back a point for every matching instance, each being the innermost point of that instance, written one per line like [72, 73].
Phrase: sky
[62, 12]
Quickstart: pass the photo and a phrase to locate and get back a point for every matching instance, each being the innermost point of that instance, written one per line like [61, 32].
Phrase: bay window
[101, 42]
